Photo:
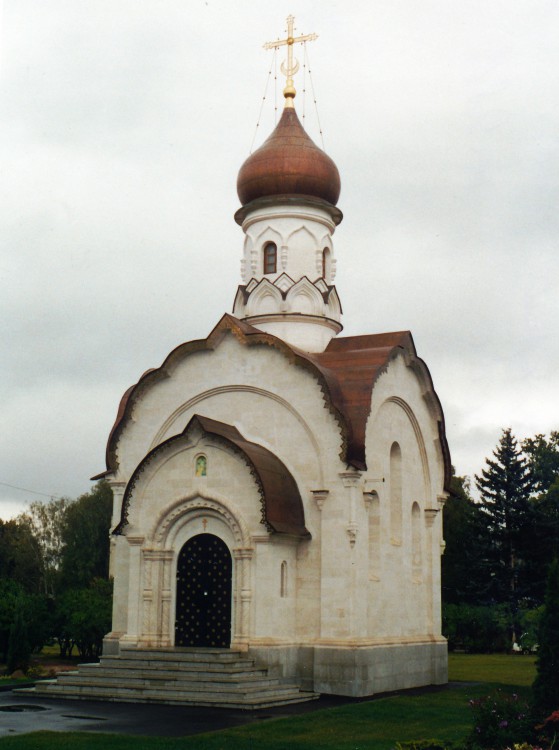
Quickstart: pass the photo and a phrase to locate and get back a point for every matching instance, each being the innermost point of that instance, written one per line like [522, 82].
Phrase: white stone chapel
[278, 487]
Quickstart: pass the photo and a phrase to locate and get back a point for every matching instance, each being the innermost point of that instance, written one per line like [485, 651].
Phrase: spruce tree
[505, 486]
[543, 462]
[462, 574]
[546, 684]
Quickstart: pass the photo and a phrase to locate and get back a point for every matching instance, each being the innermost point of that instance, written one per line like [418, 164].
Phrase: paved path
[22, 713]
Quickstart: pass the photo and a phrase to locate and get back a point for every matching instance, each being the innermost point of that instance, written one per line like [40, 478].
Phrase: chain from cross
[292, 65]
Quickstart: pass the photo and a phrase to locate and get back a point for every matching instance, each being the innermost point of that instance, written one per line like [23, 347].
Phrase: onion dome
[288, 163]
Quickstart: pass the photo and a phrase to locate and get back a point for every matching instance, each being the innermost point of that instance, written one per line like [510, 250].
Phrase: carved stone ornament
[352, 531]
[320, 497]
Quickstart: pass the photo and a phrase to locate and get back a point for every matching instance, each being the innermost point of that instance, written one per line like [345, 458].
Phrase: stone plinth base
[359, 671]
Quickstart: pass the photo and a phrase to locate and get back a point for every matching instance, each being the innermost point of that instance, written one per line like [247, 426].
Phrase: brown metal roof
[288, 163]
[282, 506]
[347, 371]
[351, 366]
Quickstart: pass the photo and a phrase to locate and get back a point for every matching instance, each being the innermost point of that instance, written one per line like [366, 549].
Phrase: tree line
[54, 577]
[54, 559]
[499, 548]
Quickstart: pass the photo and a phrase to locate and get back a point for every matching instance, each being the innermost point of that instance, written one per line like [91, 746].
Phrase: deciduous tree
[20, 555]
[84, 538]
[45, 522]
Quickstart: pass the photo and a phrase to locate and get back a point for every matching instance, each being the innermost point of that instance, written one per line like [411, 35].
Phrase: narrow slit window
[270, 258]
[283, 579]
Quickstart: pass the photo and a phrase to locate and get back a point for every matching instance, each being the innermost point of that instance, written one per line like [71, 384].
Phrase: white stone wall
[358, 583]
[256, 389]
[404, 598]
[290, 303]
[301, 233]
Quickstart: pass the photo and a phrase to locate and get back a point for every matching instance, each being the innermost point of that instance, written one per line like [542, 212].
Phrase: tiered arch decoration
[189, 509]
[346, 371]
[282, 506]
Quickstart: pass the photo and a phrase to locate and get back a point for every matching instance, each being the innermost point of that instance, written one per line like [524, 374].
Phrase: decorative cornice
[244, 216]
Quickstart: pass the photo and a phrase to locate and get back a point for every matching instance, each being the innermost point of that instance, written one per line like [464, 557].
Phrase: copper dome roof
[288, 163]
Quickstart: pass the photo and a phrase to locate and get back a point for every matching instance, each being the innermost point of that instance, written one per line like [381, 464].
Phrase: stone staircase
[183, 676]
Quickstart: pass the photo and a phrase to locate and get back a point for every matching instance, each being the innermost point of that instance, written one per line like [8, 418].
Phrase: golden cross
[292, 66]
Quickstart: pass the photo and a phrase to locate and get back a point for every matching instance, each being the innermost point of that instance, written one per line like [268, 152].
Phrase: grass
[504, 669]
[371, 725]
[12, 682]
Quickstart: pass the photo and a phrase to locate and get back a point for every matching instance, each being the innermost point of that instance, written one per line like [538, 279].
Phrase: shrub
[501, 720]
[480, 629]
[548, 732]
[83, 617]
[546, 684]
[425, 745]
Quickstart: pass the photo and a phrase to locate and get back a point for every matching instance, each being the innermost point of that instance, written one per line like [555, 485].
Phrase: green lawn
[505, 669]
[372, 725]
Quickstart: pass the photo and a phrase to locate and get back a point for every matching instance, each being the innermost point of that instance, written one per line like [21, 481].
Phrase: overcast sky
[123, 124]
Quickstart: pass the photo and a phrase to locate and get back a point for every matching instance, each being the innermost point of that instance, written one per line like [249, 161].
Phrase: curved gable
[282, 505]
[346, 371]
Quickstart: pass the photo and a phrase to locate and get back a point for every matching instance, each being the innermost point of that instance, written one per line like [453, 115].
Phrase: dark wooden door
[204, 574]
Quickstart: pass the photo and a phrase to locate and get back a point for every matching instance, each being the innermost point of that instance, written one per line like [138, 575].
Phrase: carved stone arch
[282, 510]
[406, 408]
[268, 234]
[302, 231]
[240, 302]
[264, 238]
[324, 263]
[284, 282]
[326, 241]
[305, 297]
[247, 245]
[334, 304]
[192, 506]
[266, 298]
[199, 398]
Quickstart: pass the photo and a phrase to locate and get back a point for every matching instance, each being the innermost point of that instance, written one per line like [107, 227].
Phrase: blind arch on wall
[395, 494]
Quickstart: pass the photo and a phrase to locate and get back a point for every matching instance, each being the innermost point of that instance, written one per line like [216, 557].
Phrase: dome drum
[288, 201]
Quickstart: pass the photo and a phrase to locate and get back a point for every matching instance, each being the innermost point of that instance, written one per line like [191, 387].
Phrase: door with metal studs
[204, 577]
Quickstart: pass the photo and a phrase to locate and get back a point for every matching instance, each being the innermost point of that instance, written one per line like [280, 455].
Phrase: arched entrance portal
[204, 576]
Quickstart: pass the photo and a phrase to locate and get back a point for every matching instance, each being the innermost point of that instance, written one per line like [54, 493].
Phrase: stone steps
[195, 677]
[156, 682]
